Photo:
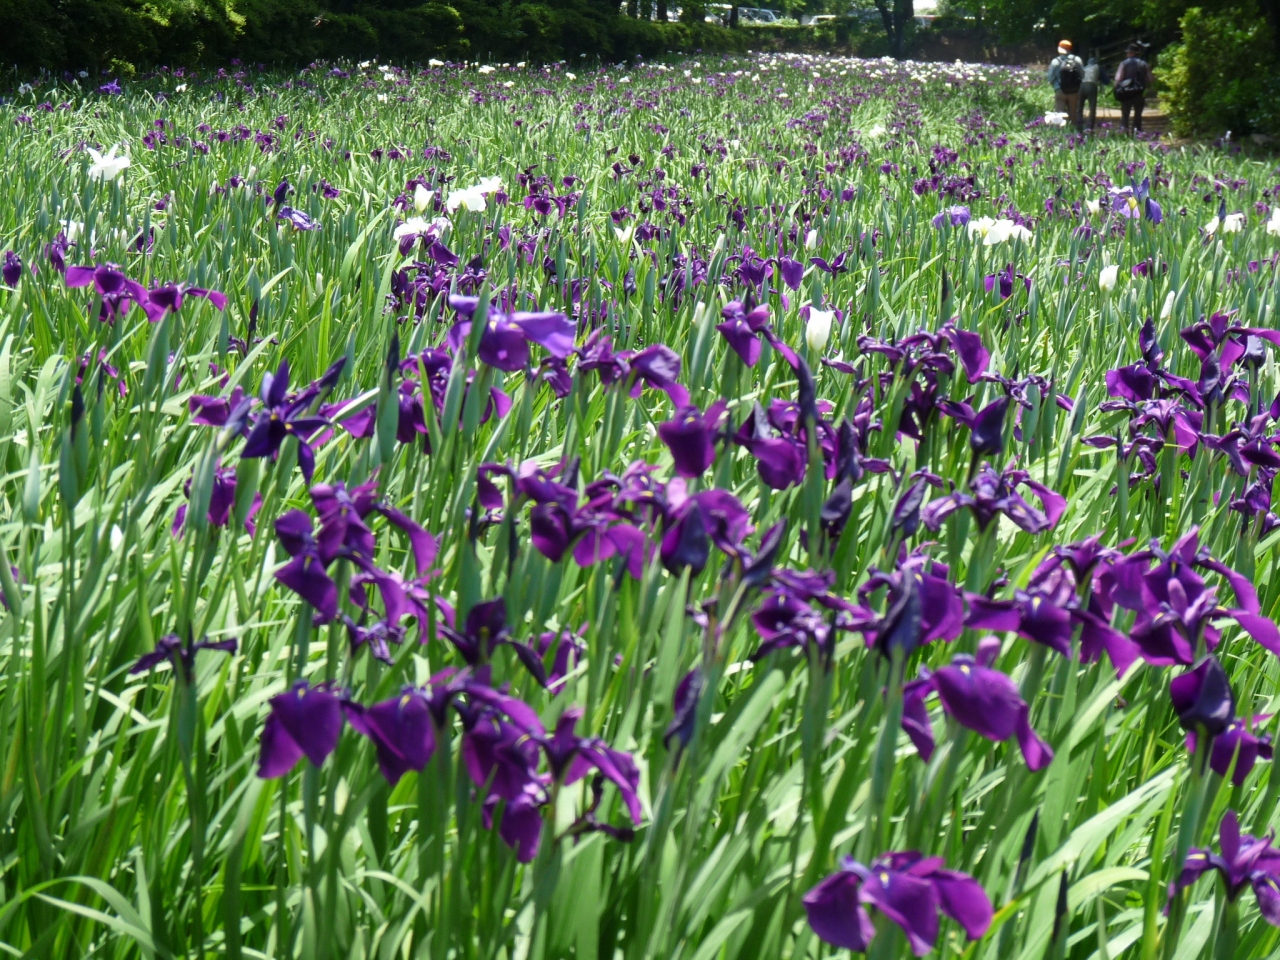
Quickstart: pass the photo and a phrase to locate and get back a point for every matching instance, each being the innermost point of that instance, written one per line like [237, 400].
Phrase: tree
[897, 16]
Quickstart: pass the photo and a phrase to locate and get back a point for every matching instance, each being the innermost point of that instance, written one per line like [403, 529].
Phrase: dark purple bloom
[1236, 744]
[305, 574]
[1004, 279]
[1176, 608]
[685, 707]
[402, 731]
[1202, 698]
[222, 499]
[284, 415]
[691, 437]
[571, 757]
[957, 216]
[992, 494]
[742, 328]
[12, 269]
[685, 544]
[792, 272]
[908, 889]
[119, 293]
[978, 697]
[658, 366]
[183, 656]
[168, 299]
[296, 219]
[504, 344]
[304, 720]
[1244, 860]
[974, 357]
[921, 606]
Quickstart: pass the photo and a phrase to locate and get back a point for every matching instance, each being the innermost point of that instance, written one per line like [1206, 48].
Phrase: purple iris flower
[119, 293]
[992, 494]
[168, 299]
[597, 530]
[1243, 860]
[1203, 699]
[986, 426]
[402, 730]
[504, 344]
[957, 216]
[1176, 608]
[685, 709]
[908, 888]
[571, 757]
[792, 272]
[657, 366]
[1236, 744]
[1004, 279]
[304, 720]
[742, 328]
[978, 697]
[284, 415]
[691, 437]
[296, 219]
[484, 631]
[213, 411]
[1150, 208]
[306, 573]
[799, 609]
[12, 269]
[694, 523]
[921, 606]
[1228, 340]
[781, 461]
[343, 531]
[968, 346]
[835, 267]
[221, 501]
[183, 656]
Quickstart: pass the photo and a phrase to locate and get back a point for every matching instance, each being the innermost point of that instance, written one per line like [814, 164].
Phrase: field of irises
[751, 508]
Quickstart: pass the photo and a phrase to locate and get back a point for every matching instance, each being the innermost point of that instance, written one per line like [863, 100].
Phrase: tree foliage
[123, 34]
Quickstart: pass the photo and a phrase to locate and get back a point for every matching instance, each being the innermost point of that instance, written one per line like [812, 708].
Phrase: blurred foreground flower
[908, 888]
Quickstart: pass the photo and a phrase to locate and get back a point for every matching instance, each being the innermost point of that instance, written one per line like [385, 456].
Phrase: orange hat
[1065, 43]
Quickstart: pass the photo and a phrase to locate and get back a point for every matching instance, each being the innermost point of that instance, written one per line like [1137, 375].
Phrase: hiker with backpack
[1133, 77]
[1089, 92]
[1066, 74]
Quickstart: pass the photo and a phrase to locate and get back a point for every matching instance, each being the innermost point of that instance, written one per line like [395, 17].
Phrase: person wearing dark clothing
[1089, 92]
[1133, 78]
[1066, 72]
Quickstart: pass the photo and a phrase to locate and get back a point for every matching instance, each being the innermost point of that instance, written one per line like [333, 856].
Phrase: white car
[757, 15]
[813, 20]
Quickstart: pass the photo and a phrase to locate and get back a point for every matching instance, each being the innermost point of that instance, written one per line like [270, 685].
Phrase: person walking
[1133, 77]
[1089, 91]
[1066, 74]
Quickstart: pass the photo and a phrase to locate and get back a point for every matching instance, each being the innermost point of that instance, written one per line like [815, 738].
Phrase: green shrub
[127, 34]
[1223, 75]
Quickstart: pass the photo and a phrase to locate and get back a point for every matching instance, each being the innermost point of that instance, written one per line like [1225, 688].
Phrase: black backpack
[1133, 85]
[1070, 76]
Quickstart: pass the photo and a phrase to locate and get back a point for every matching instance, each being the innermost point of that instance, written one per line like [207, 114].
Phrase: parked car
[757, 15]
[812, 20]
[718, 13]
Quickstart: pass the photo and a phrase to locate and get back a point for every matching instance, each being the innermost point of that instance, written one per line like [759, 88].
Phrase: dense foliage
[128, 34]
[1223, 75]
[727, 508]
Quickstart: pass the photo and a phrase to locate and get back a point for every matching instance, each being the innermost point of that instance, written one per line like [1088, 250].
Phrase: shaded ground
[1154, 119]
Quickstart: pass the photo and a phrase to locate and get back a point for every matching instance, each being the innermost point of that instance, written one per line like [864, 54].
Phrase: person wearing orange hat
[1066, 74]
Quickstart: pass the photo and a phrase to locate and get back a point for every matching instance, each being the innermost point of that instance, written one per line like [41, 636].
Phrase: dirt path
[1154, 119]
